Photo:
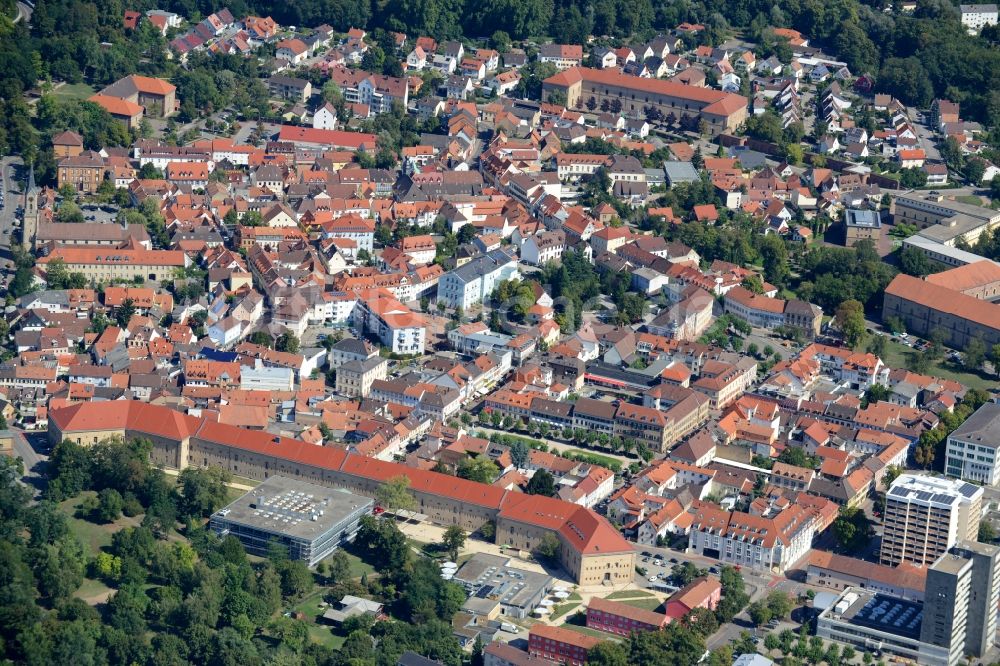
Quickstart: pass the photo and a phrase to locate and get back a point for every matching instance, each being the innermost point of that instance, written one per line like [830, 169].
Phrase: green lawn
[320, 633]
[91, 590]
[607, 461]
[896, 354]
[571, 602]
[74, 91]
[969, 199]
[358, 567]
[630, 594]
[94, 537]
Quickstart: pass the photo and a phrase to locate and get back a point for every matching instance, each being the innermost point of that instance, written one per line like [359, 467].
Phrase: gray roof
[680, 172]
[866, 219]
[482, 265]
[983, 427]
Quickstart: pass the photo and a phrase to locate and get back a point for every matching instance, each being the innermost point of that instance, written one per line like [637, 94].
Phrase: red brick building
[562, 646]
[615, 617]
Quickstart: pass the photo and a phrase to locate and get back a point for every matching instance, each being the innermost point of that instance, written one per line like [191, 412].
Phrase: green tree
[541, 483]
[850, 319]
[974, 354]
[203, 490]
[124, 312]
[608, 653]
[852, 529]
[287, 342]
[453, 540]
[109, 508]
[549, 547]
[394, 495]
[477, 468]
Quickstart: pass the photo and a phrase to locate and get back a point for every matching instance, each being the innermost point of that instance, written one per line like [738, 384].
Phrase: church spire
[31, 179]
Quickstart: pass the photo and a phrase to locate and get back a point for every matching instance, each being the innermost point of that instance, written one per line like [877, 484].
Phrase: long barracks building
[721, 111]
[591, 549]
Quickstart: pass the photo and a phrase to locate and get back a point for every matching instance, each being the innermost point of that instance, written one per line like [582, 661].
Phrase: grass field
[896, 355]
[969, 199]
[605, 460]
[74, 91]
[94, 537]
[319, 633]
[571, 602]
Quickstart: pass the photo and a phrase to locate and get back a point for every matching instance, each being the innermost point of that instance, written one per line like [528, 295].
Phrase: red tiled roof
[579, 526]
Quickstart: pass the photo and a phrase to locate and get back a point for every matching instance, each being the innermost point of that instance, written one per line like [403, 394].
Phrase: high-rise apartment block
[925, 516]
[960, 600]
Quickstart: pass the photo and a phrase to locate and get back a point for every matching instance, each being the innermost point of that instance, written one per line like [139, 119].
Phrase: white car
[652, 579]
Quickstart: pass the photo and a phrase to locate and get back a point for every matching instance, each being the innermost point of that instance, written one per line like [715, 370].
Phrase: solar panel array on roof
[892, 615]
[968, 489]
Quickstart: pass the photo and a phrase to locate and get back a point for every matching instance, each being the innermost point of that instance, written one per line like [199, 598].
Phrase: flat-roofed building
[861, 225]
[960, 608]
[868, 621]
[722, 112]
[925, 516]
[310, 520]
[518, 590]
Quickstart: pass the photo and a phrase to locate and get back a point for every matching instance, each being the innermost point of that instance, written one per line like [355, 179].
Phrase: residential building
[563, 56]
[377, 91]
[971, 451]
[722, 112]
[290, 88]
[355, 378]
[475, 281]
[775, 543]
[379, 314]
[977, 17]
[925, 516]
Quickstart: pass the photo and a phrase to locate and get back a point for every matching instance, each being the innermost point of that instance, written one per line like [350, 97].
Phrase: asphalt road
[12, 199]
[32, 447]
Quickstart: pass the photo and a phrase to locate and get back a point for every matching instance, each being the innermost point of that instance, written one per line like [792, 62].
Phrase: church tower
[30, 226]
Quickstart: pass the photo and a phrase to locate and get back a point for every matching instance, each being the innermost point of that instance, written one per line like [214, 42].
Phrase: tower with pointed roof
[30, 225]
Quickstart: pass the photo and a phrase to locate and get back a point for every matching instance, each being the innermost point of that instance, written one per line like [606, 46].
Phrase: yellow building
[106, 264]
